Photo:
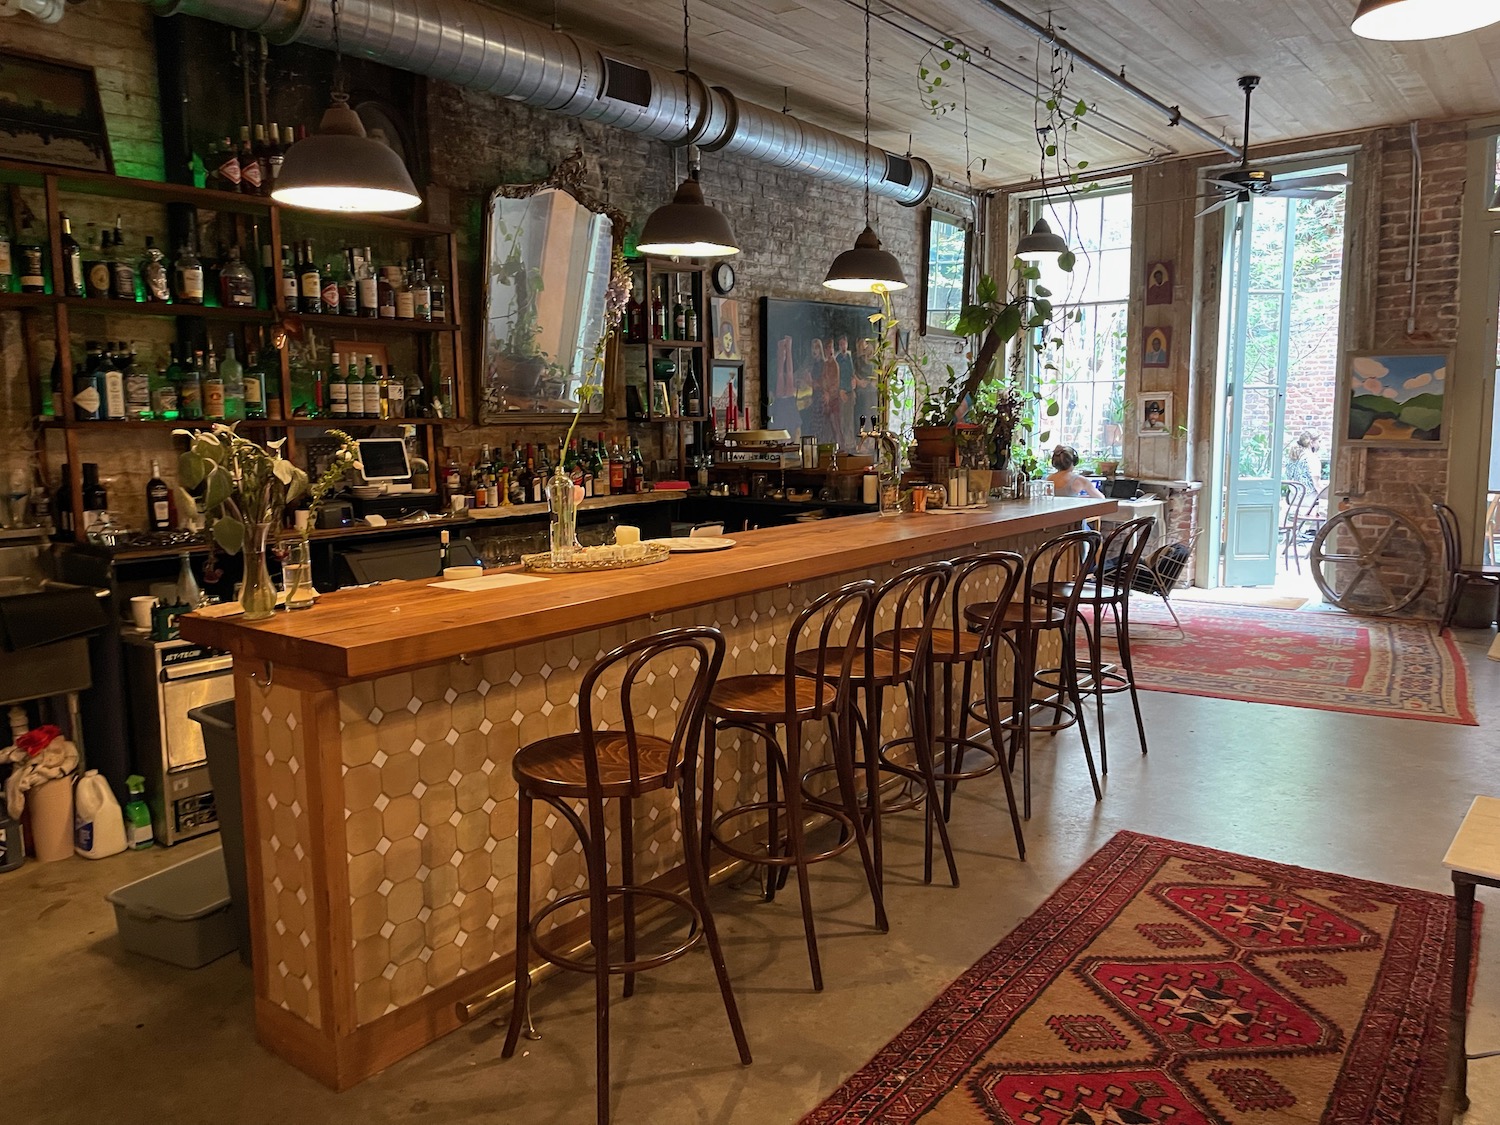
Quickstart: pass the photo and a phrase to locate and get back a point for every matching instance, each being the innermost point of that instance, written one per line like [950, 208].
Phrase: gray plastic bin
[221, 746]
[180, 914]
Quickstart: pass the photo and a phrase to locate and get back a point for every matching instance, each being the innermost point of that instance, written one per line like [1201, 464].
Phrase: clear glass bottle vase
[257, 591]
[562, 502]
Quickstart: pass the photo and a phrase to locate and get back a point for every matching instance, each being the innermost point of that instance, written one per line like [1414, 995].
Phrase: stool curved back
[1119, 559]
[1006, 568]
[840, 621]
[1061, 563]
[703, 641]
[916, 598]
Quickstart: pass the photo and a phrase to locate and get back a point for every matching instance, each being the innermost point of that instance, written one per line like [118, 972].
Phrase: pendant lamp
[867, 268]
[687, 227]
[1040, 244]
[1422, 19]
[340, 167]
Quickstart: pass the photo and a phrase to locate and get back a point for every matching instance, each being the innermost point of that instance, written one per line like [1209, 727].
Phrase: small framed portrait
[1159, 283]
[726, 328]
[1156, 413]
[1156, 347]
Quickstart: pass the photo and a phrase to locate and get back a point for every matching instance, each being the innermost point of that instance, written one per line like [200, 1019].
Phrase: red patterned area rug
[1332, 661]
[1169, 983]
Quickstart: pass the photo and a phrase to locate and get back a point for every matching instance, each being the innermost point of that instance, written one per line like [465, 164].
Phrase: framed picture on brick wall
[50, 113]
[817, 365]
[1396, 398]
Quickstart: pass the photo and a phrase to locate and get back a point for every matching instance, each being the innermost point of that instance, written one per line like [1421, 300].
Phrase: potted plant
[246, 490]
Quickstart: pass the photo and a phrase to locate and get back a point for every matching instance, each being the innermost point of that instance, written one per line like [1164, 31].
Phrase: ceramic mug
[140, 610]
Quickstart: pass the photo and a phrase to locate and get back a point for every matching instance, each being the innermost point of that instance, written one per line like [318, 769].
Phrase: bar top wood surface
[359, 634]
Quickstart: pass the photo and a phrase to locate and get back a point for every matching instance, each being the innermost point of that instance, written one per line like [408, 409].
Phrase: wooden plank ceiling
[1318, 77]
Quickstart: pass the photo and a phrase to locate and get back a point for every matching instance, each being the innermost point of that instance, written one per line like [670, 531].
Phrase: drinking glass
[296, 576]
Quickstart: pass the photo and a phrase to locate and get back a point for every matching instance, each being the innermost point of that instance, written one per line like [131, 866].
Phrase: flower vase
[562, 501]
[257, 591]
[296, 575]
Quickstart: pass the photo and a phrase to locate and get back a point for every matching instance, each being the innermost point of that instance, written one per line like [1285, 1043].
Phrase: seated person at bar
[1067, 481]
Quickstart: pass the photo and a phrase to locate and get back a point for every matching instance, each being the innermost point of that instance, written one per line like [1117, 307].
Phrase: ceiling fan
[1239, 184]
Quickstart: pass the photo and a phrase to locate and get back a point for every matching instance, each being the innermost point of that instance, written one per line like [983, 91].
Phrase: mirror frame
[568, 177]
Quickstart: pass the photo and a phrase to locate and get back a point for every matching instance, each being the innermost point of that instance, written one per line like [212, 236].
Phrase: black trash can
[221, 746]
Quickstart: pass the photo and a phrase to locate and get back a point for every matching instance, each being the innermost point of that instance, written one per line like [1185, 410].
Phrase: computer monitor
[384, 459]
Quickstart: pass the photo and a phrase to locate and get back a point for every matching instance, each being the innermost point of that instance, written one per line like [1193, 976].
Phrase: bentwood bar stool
[951, 646]
[824, 637]
[595, 766]
[1026, 622]
[911, 601]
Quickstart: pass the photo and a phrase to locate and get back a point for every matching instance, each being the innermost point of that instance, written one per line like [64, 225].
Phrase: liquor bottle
[692, 390]
[213, 389]
[600, 467]
[232, 375]
[98, 278]
[112, 379]
[421, 292]
[536, 477]
[330, 290]
[164, 388]
[637, 470]
[250, 166]
[155, 285]
[310, 282]
[187, 277]
[413, 399]
[691, 321]
[385, 293]
[369, 391]
[269, 366]
[188, 591]
[236, 283]
[190, 387]
[480, 477]
[445, 552]
[439, 290]
[51, 389]
[347, 286]
[635, 319]
[226, 167]
[616, 468]
[88, 386]
[367, 288]
[30, 259]
[288, 280]
[137, 389]
[356, 388]
[658, 316]
[261, 175]
[7, 266]
[275, 156]
[679, 320]
[338, 389]
[383, 393]
[95, 498]
[158, 501]
[72, 261]
[63, 502]
[406, 297]
[255, 386]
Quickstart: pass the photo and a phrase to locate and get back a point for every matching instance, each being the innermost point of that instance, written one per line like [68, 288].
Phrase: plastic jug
[98, 825]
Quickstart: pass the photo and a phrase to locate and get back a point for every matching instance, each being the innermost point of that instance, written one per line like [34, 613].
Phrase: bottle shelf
[665, 345]
[26, 300]
[414, 228]
[103, 306]
[372, 324]
[144, 424]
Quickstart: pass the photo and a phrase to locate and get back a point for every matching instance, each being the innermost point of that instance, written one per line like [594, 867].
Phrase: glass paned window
[1085, 375]
[946, 271]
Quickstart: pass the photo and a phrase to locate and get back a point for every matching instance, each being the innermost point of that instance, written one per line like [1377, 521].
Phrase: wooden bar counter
[376, 731]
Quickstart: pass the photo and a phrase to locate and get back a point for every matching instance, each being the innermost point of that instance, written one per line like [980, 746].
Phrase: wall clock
[723, 277]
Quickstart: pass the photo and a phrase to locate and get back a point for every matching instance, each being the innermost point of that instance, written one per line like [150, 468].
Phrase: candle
[625, 535]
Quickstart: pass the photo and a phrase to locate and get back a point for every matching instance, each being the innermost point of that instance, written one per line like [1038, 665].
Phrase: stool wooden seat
[758, 705]
[592, 766]
[888, 667]
[949, 646]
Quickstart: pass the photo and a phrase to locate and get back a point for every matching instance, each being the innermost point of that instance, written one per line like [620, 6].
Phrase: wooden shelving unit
[674, 281]
[254, 220]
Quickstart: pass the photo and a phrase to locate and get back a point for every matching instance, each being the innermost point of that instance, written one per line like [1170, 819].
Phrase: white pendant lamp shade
[1040, 244]
[687, 227]
[1422, 19]
[341, 168]
[867, 268]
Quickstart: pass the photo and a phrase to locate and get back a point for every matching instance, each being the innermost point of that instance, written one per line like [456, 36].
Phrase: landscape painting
[1397, 398]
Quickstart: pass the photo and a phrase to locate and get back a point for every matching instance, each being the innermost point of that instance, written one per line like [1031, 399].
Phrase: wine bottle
[338, 389]
[255, 387]
[72, 261]
[288, 280]
[159, 514]
[213, 389]
[367, 288]
[348, 286]
[190, 388]
[310, 281]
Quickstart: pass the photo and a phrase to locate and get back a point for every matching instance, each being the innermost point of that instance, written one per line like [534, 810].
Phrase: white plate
[682, 545]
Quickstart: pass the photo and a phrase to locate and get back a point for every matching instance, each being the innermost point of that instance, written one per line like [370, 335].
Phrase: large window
[1086, 374]
[945, 271]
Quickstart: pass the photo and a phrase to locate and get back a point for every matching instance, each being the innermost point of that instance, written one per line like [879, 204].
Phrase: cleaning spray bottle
[138, 833]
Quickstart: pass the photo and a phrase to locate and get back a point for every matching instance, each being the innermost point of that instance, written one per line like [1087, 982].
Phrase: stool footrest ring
[681, 902]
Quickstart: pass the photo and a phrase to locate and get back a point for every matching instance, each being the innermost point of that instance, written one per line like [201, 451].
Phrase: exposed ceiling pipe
[477, 46]
[1118, 81]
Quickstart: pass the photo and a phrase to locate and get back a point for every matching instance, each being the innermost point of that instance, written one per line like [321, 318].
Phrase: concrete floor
[93, 1033]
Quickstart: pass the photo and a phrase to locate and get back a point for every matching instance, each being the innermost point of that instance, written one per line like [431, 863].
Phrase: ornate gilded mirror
[549, 250]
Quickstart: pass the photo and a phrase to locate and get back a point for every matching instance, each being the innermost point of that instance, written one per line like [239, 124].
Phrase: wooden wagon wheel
[1370, 560]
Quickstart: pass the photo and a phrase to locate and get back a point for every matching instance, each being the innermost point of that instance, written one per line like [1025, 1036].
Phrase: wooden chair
[1293, 497]
[1460, 574]
[595, 766]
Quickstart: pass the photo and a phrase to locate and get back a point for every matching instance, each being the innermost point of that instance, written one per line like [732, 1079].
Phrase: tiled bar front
[382, 826]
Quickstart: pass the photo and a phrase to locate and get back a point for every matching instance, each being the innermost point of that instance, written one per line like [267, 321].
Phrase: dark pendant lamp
[687, 227]
[1042, 243]
[340, 167]
[1422, 19]
[867, 268]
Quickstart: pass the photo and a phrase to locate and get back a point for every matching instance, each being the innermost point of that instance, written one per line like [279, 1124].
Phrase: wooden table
[1474, 860]
[376, 731]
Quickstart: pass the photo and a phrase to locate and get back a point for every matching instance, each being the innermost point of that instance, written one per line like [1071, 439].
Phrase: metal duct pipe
[471, 44]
